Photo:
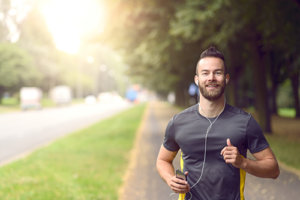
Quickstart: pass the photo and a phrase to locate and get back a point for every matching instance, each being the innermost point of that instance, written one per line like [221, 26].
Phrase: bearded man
[214, 137]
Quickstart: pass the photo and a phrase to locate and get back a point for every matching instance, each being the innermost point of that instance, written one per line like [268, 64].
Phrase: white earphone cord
[205, 146]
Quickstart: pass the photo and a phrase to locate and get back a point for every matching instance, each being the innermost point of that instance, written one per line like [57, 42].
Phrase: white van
[61, 95]
[30, 98]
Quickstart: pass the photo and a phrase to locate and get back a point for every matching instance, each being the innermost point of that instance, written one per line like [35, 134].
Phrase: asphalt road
[142, 181]
[22, 132]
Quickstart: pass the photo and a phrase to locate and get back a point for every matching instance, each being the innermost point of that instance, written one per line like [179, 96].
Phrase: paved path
[142, 181]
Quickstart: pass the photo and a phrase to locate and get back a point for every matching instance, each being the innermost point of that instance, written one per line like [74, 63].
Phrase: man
[213, 138]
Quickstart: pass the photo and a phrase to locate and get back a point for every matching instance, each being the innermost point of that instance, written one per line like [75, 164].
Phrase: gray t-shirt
[219, 181]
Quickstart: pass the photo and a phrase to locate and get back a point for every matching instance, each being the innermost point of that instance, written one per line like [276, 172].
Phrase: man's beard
[213, 95]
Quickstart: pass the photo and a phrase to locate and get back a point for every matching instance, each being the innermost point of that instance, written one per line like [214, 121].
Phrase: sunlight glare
[70, 21]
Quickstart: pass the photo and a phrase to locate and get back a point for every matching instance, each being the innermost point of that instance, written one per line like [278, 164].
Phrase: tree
[164, 40]
[141, 30]
[16, 69]
[240, 27]
[37, 40]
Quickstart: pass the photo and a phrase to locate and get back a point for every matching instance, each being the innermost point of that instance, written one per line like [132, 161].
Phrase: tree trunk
[1, 94]
[231, 89]
[295, 85]
[181, 95]
[274, 109]
[260, 83]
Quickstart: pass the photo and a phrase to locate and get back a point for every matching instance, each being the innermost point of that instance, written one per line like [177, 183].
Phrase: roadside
[86, 164]
[143, 182]
[23, 132]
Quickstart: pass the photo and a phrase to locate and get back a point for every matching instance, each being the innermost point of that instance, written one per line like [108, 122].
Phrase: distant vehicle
[30, 98]
[109, 97]
[90, 99]
[61, 95]
[132, 95]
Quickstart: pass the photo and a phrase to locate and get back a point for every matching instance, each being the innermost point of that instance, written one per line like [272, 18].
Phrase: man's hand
[178, 185]
[232, 156]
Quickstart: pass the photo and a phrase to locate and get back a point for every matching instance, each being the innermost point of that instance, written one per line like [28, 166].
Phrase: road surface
[22, 132]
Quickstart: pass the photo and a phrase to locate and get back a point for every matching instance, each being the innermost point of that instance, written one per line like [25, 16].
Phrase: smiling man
[214, 138]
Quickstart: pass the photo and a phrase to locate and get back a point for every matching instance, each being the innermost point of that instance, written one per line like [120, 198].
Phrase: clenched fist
[232, 155]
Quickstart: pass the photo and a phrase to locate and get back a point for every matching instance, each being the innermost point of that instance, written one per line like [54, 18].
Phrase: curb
[133, 154]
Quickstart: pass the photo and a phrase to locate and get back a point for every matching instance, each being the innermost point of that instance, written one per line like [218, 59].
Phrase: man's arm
[265, 164]
[166, 171]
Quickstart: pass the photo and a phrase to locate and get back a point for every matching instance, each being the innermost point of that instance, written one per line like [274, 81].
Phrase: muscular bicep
[166, 155]
[264, 154]
[265, 165]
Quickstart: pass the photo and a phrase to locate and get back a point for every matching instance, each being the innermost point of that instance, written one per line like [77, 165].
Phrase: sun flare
[70, 21]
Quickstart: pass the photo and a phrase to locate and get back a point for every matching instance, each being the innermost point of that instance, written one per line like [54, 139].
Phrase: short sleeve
[169, 139]
[255, 137]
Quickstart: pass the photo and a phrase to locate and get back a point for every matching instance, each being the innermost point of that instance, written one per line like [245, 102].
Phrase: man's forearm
[267, 168]
[165, 170]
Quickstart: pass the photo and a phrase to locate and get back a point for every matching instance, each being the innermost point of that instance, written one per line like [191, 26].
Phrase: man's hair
[212, 51]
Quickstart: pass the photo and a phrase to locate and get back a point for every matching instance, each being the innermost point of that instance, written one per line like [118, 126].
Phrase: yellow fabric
[182, 195]
[181, 162]
[242, 183]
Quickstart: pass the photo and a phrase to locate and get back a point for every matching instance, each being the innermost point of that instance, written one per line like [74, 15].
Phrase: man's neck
[211, 109]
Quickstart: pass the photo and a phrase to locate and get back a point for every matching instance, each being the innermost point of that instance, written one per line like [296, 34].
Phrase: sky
[69, 21]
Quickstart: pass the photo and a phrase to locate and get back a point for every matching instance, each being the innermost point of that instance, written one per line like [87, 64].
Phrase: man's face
[211, 78]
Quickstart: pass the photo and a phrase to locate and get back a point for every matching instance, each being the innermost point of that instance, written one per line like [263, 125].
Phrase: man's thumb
[228, 142]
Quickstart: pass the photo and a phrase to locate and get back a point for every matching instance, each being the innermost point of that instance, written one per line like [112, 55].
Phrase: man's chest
[192, 136]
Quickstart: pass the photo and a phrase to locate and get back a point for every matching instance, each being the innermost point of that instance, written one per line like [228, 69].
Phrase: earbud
[196, 83]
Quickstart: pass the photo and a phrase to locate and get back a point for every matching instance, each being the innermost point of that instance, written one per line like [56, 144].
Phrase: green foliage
[38, 42]
[140, 29]
[284, 92]
[7, 20]
[16, 68]
[162, 42]
[9, 101]
[88, 164]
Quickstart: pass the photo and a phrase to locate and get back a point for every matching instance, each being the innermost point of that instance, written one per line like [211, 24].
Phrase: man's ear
[196, 79]
[227, 78]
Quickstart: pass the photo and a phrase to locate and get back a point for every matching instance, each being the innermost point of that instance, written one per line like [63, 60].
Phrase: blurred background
[55, 52]
[65, 65]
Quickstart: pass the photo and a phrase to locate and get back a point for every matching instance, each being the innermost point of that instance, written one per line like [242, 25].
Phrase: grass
[8, 109]
[287, 112]
[86, 165]
[285, 140]
[286, 149]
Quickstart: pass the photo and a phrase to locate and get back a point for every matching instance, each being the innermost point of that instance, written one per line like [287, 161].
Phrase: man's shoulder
[237, 111]
[186, 112]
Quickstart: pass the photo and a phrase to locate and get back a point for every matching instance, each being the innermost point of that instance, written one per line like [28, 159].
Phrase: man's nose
[211, 76]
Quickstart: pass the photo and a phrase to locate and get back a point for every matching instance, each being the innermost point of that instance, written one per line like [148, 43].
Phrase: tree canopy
[162, 42]
[16, 68]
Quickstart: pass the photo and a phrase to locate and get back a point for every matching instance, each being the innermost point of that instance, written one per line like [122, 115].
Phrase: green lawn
[86, 165]
[286, 149]
[287, 112]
